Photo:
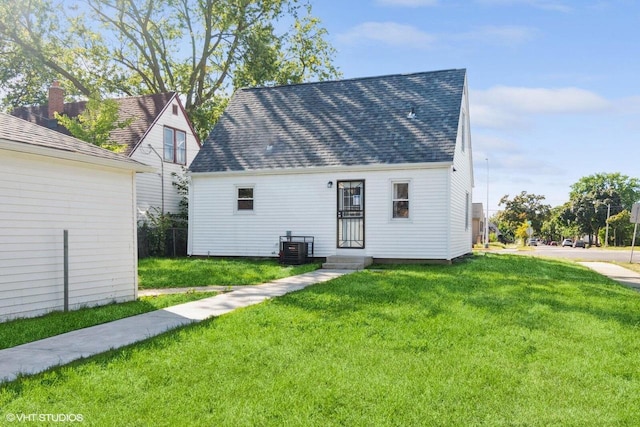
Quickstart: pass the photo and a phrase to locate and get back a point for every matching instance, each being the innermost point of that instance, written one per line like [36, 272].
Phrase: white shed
[49, 183]
[159, 135]
[375, 167]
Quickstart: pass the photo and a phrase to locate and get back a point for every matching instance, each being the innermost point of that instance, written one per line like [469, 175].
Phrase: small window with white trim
[400, 200]
[245, 199]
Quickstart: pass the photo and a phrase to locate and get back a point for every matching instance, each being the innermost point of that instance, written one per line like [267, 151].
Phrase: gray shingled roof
[144, 109]
[18, 130]
[339, 123]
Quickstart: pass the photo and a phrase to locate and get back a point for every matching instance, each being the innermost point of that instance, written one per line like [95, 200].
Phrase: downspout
[161, 174]
[190, 223]
[134, 219]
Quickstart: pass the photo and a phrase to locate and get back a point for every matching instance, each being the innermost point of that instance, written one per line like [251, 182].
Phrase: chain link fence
[170, 242]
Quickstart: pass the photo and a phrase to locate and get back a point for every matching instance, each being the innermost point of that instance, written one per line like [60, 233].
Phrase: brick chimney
[56, 99]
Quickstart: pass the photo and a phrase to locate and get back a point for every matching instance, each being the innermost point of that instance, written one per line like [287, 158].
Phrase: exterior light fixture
[330, 184]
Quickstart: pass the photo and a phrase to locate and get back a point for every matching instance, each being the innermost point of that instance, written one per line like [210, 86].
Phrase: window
[174, 109]
[175, 146]
[245, 199]
[400, 200]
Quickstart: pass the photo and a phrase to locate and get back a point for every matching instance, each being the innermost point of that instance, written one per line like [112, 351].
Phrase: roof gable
[338, 123]
[144, 109]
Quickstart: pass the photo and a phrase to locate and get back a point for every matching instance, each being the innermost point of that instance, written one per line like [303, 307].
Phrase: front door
[351, 214]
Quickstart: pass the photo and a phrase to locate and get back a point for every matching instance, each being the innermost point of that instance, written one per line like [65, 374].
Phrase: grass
[21, 331]
[188, 272]
[496, 340]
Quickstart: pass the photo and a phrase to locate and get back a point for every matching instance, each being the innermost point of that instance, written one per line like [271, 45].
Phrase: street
[592, 254]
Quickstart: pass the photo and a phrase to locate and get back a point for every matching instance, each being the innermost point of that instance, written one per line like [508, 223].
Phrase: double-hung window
[400, 200]
[245, 199]
[175, 146]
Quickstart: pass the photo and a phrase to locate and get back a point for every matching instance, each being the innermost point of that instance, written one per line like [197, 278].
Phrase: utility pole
[486, 220]
[606, 234]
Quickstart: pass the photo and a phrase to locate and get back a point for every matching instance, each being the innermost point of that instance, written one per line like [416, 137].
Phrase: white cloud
[502, 35]
[389, 33]
[552, 5]
[485, 144]
[489, 116]
[408, 3]
[514, 100]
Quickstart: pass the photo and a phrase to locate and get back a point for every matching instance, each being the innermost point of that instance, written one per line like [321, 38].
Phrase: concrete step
[343, 266]
[343, 262]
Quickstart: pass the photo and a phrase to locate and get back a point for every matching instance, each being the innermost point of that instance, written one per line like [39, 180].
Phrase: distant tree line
[594, 201]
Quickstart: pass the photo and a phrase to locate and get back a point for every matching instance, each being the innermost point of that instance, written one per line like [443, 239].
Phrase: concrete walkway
[619, 274]
[167, 291]
[41, 355]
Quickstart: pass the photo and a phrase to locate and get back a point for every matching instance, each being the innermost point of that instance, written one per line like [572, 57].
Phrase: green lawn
[186, 272]
[495, 340]
[21, 331]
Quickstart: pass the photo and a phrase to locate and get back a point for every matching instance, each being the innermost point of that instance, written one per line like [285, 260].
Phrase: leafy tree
[594, 197]
[622, 188]
[203, 49]
[95, 123]
[522, 208]
[620, 229]
[555, 227]
[522, 232]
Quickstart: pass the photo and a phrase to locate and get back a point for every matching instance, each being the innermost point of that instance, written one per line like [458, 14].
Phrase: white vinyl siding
[460, 190]
[41, 197]
[302, 204]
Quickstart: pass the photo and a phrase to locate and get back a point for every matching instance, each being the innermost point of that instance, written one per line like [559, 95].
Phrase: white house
[376, 167]
[160, 136]
[49, 183]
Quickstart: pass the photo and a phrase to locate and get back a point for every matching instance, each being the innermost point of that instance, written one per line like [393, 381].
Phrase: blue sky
[554, 93]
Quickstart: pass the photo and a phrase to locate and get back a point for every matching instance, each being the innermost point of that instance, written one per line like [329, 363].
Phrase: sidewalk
[619, 274]
[41, 355]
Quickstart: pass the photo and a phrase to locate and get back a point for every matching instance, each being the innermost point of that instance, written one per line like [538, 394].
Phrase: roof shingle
[18, 130]
[338, 123]
[144, 109]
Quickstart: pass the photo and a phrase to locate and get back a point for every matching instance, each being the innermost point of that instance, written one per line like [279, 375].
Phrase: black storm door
[351, 214]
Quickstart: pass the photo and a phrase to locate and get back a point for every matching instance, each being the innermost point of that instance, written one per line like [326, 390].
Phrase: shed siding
[302, 204]
[41, 197]
[149, 185]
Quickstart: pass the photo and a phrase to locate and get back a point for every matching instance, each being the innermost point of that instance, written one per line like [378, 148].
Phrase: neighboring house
[477, 236]
[160, 129]
[50, 182]
[377, 167]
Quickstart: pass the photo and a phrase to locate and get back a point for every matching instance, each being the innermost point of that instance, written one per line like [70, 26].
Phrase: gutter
[325, 169]
[125, 163]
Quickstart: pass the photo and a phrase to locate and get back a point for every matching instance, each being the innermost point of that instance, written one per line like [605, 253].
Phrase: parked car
[553, 243]
[567, 242]
[532, 242]
[579, 244]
